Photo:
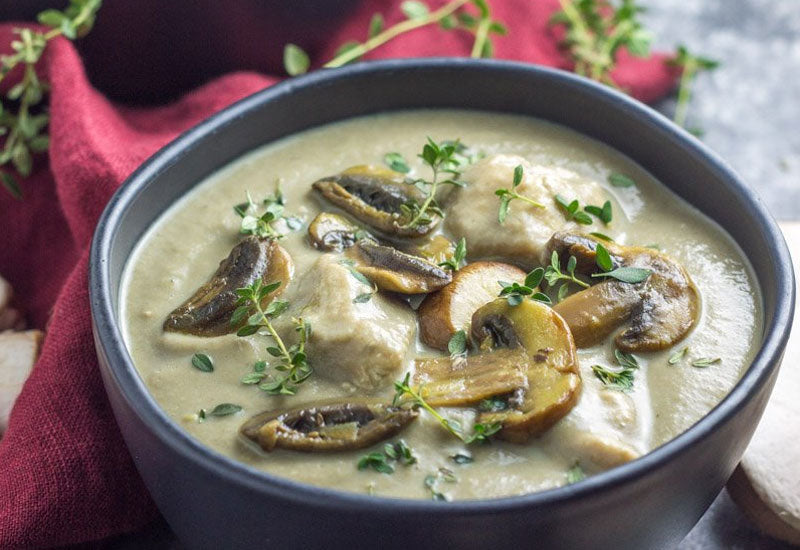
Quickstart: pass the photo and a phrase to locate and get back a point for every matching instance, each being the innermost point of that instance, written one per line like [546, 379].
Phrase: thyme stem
[393, 32]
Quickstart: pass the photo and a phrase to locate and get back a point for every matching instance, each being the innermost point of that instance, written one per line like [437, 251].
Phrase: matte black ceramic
[215, 502]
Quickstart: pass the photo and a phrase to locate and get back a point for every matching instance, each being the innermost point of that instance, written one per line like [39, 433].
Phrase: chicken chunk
[18, 353]
[361, 342]
[472, 210]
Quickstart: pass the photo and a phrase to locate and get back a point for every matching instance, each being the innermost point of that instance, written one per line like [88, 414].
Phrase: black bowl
[212, 501]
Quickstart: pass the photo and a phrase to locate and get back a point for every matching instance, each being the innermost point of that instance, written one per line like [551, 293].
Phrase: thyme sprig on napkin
[22, 121]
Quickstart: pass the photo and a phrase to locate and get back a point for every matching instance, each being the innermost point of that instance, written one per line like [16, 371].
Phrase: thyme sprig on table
[481, 433]
[451, 16]
[21, 121]
[292, 361]
[595, 31]
[690, 65]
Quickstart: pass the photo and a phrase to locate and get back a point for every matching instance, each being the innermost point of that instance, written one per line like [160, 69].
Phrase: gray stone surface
[749, 107]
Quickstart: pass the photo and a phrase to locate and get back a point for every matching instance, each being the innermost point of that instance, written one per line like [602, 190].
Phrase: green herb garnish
[202, 362]
[508, 195]
[439, 157]
[392, 452]
[223, 409]
[261, 225]
[514, 293]
[493, 404]
[358, 276]
[620, 180]
[602, 212]
[377, 461]
[292, 361]
[431, 483]
[621, 379]
[457, 346]
[706, 362]
[480, 432]
[572, 211]
[602, 236]
[630, 275]
[575, 474]
[463, 457]
[459, 255]
[553, 274]
[603, 258]
[396, 162]
[678, 355]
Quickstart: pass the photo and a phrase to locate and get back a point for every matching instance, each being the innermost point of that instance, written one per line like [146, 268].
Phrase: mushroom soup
[437, 304]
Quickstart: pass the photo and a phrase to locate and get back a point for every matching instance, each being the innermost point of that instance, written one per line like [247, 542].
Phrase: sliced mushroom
[554, 381]
[374, 196]
[332, 233]
[208, 312]
[396, 271]
[660, 310]
[327, 426]
[456, 382]
[450, 309]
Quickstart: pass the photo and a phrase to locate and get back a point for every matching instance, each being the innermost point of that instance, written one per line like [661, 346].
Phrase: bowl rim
[123, 373]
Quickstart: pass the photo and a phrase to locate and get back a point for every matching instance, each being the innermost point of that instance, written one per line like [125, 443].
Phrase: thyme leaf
[508, 195]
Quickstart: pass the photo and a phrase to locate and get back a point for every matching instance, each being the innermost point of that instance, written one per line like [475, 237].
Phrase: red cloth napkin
[65, 474]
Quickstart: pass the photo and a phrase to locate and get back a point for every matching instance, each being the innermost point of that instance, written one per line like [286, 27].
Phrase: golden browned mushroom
[463, 381]
[553, 379]
[375, 195]
[332, 232]
[208, 312]
[329, 426]
[660, 311]
[396, 271]
[443, 313]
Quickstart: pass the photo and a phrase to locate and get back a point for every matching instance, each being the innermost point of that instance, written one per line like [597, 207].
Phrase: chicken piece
[363, 343]
[18, 353]
[472, 210]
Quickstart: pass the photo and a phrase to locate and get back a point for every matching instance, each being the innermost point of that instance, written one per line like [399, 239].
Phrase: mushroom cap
[553, 378]
[659, 312]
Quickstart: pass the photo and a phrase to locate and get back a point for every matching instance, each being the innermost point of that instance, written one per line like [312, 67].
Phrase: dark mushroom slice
[660, 311]
[553, 379]
[464, 381]
[392, 270]
[333, 233]
[208, 312]
[375, 195]
[326, 427]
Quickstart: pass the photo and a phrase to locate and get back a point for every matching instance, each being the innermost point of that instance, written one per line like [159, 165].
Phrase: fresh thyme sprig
[508, 195]
[459, 256]
[441, 158]
[595, 30]
[515, 293]
[572, 210]
[261, 225]
[382, 461]
[622, 378]
[450, 16]
[690, 66]
[431, 483]
[630, 275]
[292, 361]
[25, 130]
[553, 274]
[481, 433]
[350, 265]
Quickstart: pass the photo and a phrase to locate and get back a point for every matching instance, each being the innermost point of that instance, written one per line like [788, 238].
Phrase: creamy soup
[551, 415]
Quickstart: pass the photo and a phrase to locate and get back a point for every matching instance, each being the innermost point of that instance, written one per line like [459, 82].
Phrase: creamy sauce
[184, 247]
